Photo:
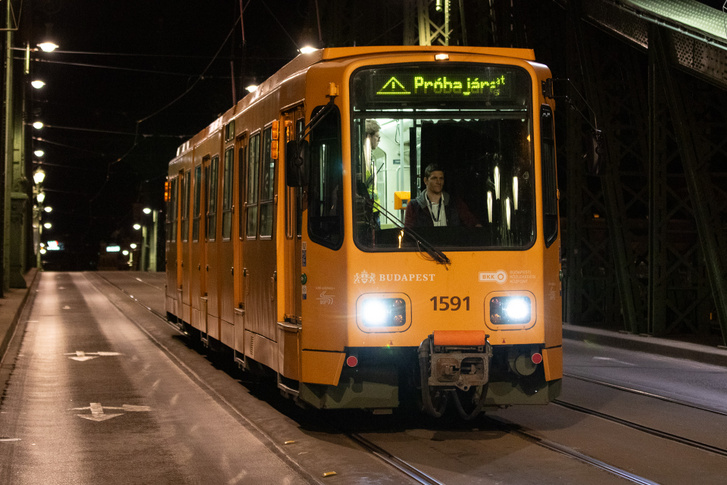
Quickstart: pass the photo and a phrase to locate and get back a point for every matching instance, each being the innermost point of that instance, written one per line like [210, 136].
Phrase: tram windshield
[445, 150]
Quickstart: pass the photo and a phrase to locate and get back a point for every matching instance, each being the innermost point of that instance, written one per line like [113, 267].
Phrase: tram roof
[303, 61]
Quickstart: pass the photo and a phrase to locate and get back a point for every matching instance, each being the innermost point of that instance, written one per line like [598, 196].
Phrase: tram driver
[434, 207]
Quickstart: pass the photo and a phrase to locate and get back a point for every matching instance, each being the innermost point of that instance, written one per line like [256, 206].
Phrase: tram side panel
[183, 255]
[171, 249]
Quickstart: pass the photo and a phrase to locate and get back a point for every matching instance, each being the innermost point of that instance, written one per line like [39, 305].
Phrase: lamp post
[39, 195]
[16, 240]
[148, 249]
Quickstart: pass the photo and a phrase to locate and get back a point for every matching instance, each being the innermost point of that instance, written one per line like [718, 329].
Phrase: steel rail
[645, 394]
[553, 446]
[404, 467]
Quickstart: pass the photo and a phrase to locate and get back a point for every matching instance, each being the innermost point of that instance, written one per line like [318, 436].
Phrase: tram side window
[172, 211]
[325, 211]
[197, 202]
[241, 193]
[227, 194]
[550, 188]
[253, 169]
[185, 205]
[267, 187]
[212, 198]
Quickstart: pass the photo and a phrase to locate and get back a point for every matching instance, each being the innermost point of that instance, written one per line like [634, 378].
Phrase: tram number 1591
[450, 303]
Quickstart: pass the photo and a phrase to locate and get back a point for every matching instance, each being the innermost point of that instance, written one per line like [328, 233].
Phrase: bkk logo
[493, 277]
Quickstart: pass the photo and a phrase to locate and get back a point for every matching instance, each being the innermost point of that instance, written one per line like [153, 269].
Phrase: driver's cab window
[449, 165]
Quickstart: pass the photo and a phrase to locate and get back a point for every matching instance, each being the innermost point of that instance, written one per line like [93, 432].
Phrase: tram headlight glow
[383, 312]
[510, 309]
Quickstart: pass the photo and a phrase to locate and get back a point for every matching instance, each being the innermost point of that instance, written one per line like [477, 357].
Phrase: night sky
[130, 82]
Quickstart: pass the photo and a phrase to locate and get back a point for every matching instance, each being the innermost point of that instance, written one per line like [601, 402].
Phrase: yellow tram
[378, 225]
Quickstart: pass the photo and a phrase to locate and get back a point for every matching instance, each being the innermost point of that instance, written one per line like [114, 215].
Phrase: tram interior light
[510, 309]
[383, 312]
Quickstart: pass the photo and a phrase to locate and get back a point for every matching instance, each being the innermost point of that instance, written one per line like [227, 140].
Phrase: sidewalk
[11, 305]
[645, 343]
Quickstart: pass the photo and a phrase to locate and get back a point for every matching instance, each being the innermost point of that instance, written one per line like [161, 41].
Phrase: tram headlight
[383, 312]
[510, 309]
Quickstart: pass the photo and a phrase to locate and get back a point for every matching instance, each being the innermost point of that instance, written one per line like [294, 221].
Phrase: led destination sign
[443, 85]
[427, 84]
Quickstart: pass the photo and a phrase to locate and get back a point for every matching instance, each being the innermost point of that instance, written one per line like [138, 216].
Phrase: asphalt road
[101, 390]
[92, 400]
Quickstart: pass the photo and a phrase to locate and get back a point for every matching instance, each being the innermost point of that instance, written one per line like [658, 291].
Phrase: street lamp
[48, 46]
[38, 176]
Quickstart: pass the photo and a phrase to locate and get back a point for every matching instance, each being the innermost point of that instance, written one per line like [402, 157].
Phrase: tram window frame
[267, 186]
[197, 211]
[241, 173]
[227, 178]
[212, 190]
[185, 189]
[299, 128]
[549, 176]
[172, 210]
[505, 148]
[251, 192]
[325, 200]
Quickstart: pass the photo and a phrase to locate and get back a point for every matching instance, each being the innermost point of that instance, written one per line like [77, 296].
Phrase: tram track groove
[401, 465]
[645, 429]
[642, 393]
[534, 438]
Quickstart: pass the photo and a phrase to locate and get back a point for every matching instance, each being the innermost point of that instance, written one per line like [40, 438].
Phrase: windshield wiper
[422, 244]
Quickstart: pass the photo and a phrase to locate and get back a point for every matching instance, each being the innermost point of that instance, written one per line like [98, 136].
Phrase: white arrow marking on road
[98, 414]
[82, 356]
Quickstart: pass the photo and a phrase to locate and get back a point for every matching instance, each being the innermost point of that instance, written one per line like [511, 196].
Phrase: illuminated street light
[48, 46]
[251, 88]
[137, 226]
[40, 197]
[38, 176]
[37, 83]
[48, 209]
[39, 153]
[307, 49]
[47, 225]
[38, 125]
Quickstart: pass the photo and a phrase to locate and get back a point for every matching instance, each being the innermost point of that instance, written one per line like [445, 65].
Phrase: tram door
[211, 268]
[292, 262]
[198, 282]
[226, 259]
[259, 263]
[241, 145]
